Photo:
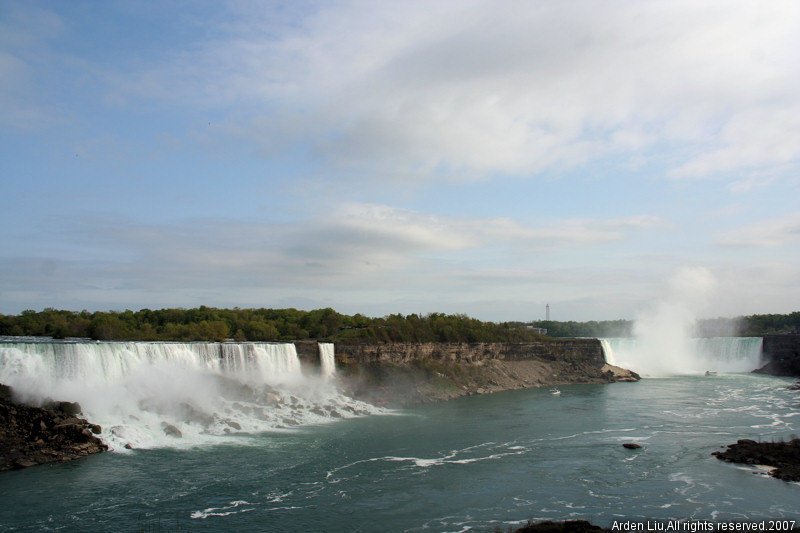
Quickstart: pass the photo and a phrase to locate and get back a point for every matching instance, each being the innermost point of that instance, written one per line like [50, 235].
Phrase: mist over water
[147, 395]
[696, 356]
[481, 464]
[666, 338]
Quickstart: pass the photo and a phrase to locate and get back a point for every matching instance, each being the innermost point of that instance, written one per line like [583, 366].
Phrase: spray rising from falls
[665, 336]
[171, 394]
[686, 357]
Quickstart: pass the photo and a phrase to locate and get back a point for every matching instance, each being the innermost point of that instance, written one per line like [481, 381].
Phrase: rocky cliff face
[36, 435]
[408, 373]
[781, 355]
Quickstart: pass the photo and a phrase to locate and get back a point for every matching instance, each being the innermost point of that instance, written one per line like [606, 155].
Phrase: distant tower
[547, 312]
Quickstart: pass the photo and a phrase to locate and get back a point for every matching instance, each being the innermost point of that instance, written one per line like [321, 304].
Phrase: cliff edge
[780, 355]
[401, 374]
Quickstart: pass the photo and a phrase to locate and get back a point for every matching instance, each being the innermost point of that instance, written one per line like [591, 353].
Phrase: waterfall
[689, 356]
[327, 362]
[149, 394]
[608, 352]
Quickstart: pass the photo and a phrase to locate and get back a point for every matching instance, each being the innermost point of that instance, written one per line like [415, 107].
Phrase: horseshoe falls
[676, 355]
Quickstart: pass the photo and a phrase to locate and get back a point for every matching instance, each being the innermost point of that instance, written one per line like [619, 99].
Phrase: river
[482, 463]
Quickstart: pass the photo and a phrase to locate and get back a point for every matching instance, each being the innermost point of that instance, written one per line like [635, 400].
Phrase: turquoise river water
[482, 463]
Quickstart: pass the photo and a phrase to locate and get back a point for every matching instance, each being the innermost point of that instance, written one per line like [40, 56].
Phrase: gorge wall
[781, 355]
[407, 373]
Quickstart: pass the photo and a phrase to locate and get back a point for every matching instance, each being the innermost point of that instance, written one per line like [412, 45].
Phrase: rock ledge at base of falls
[31, 436]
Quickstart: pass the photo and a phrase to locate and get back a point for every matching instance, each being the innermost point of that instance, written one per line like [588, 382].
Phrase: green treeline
[211, 324]
[605, 328]
[742, 326]
[760, 325]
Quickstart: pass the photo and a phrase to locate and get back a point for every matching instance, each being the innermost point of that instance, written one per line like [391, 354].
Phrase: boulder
[69, 408]
[783, 457]
[171, 430]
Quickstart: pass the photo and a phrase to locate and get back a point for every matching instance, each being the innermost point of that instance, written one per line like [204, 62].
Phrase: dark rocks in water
[32, 435]
[783, 457]
[568, 526]
[631, 445]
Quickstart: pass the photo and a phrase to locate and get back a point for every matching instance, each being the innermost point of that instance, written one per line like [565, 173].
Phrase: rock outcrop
[398, 374]
[32, 435]
[569, 526]
[782, 457]
[781, 355]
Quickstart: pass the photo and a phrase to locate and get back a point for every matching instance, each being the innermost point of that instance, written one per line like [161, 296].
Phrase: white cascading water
[327, 361]
[685, 357]
[665, 339]
[149, 394]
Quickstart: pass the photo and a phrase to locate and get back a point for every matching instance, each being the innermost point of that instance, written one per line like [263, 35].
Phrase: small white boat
[555, 392]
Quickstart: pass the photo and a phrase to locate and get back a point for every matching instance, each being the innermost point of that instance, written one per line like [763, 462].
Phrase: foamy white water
[173, 394]
[481, 464]
[327, 360]
[650, 358]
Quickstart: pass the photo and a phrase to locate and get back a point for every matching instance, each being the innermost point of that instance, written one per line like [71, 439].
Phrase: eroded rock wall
[781, 355]
[408, 373]
[583, 351]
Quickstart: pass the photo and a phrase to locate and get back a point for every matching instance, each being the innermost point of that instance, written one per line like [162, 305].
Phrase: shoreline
[404, 385]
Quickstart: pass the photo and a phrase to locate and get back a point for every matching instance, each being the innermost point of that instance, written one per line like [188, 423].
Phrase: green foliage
[759, 325]
[606, 328]
[211, 324]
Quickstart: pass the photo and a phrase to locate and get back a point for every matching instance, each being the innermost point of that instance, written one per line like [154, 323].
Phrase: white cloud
[357, 246]
[398, 108]
[765, 138]
[767, 233]
[458, 90]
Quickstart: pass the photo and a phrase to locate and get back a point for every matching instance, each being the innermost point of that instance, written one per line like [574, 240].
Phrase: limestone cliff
[409, 373]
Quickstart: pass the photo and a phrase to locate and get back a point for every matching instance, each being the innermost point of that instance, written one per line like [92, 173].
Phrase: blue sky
[473, 157]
